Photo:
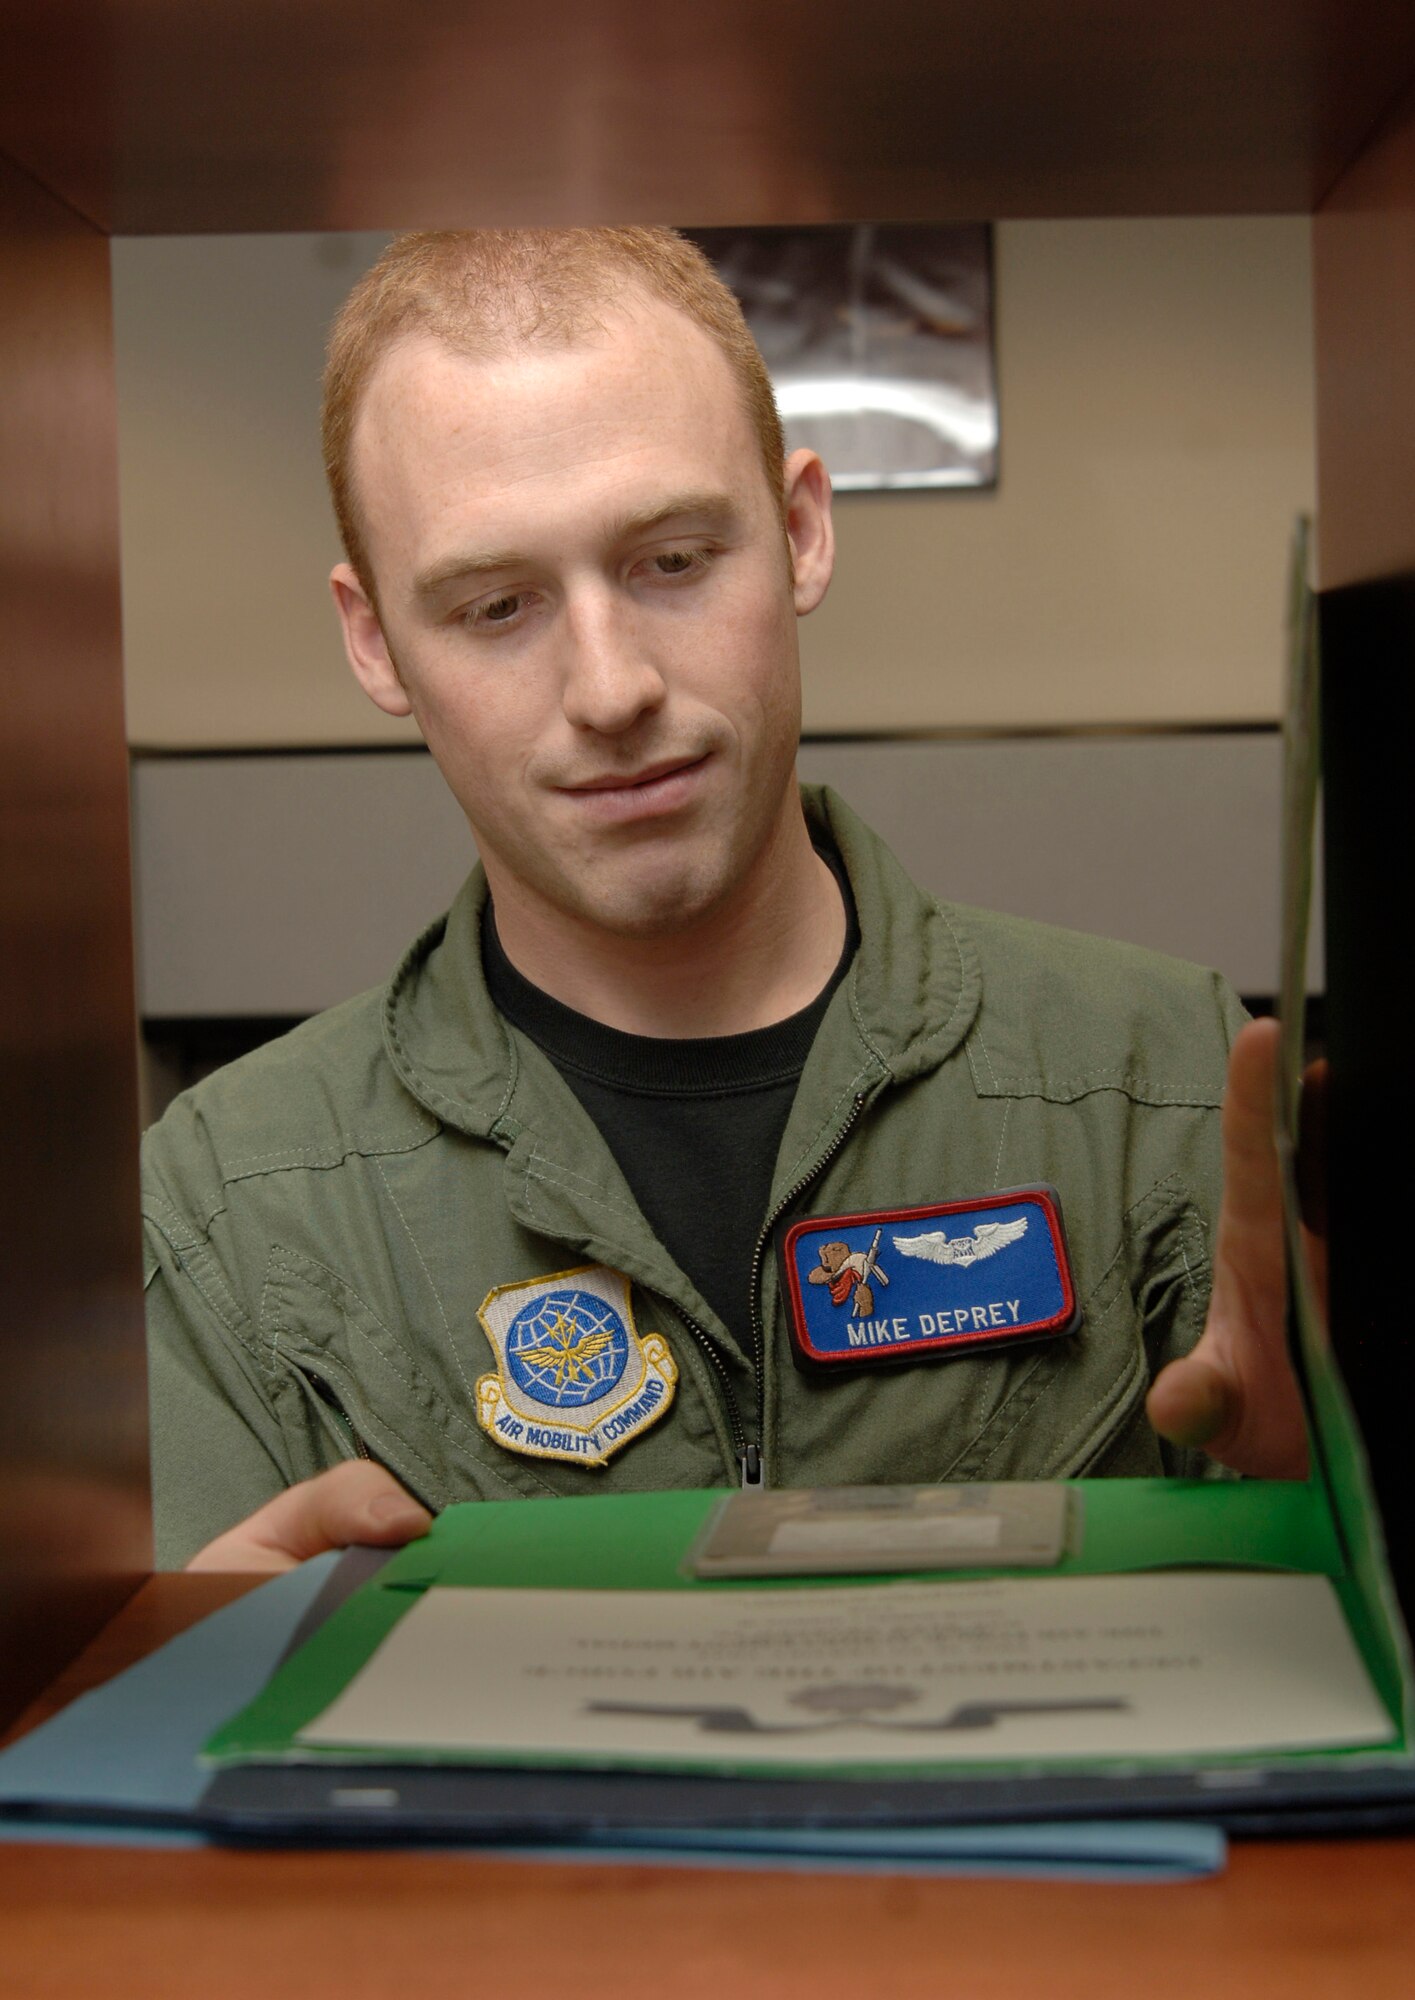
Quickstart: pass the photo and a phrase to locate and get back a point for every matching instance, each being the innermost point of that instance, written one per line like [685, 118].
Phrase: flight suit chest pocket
[404, 1400]
[1079, 1405]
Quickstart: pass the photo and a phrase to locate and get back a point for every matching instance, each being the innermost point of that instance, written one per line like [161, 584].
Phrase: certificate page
[1165, 1665]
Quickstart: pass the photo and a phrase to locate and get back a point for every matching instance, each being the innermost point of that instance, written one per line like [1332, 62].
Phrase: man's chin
[641, 903]
[640, 919]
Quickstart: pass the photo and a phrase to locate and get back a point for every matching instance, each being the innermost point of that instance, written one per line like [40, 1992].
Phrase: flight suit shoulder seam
[343, 1147]
[1129, 1082]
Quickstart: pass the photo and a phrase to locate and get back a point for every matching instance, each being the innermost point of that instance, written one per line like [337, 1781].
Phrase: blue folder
[121, 1765]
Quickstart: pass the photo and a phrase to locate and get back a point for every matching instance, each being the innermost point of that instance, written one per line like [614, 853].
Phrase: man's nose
[611, 676]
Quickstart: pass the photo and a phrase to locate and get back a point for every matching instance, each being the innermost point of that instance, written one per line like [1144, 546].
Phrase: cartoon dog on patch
[849, 1271]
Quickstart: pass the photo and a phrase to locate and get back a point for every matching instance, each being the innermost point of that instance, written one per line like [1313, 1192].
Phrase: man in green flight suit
[521, 1223]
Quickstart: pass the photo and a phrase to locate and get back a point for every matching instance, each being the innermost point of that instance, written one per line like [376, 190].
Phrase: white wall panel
[278, 885]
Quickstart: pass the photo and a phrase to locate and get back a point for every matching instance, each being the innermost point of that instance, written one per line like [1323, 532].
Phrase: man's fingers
[1236, 1395]
[1252, 1188]
[1247, 1310]
[357, 1502]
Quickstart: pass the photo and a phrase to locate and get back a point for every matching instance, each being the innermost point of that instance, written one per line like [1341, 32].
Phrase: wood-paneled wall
[73, 1437]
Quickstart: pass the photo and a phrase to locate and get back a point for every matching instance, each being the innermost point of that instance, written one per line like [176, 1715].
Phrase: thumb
[1193, 1403]
[355, 1502]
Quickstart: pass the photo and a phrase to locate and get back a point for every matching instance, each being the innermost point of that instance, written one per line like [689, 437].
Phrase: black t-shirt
[695, 1125]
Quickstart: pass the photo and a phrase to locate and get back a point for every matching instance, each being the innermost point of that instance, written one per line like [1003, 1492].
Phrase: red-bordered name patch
[920, 1284]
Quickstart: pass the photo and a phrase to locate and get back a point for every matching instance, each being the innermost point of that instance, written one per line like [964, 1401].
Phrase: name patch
[574, 1377]
[920, 1284]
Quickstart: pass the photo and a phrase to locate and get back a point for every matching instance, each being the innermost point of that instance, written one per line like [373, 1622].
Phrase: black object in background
[1368, 744]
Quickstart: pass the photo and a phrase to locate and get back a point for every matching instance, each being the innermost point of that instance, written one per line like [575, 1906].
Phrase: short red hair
[480, 291]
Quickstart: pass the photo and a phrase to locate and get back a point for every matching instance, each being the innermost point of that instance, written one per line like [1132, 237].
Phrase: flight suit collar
[905, 1006]
[916, 985]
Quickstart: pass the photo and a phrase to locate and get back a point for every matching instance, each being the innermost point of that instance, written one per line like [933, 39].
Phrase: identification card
[858, 1530]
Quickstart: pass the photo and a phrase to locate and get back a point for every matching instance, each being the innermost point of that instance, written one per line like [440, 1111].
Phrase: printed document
[1169, 1665]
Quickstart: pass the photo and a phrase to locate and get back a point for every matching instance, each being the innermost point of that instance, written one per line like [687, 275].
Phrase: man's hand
[357, 1502]
[1236, 1395]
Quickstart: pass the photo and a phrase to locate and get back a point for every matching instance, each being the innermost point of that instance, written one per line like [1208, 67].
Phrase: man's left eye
[681, 562]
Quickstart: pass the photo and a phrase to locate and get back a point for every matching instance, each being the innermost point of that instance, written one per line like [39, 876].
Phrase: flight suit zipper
[747, 1454]
[343, 1421]
[750, 1456]
[750, 1462]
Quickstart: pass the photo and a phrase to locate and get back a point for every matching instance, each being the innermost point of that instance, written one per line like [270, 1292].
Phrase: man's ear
[809, 529]
[365, 644]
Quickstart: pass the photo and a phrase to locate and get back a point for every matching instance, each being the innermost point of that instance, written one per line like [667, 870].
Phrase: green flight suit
[325, 1218]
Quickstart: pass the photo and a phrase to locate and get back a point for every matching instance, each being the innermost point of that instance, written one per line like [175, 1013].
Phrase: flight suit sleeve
[217, 1446]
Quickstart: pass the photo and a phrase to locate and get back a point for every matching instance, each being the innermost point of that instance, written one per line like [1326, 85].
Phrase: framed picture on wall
[879, 339]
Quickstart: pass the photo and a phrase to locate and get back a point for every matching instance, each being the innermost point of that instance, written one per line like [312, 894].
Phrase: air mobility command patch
[574, 1378]
[921, 1284]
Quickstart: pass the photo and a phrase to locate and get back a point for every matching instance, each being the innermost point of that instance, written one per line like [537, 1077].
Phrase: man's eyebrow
[712, 509]
[431, 582]
[709, 509]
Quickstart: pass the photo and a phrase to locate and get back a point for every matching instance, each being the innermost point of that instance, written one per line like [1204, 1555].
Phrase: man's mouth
[627, 781]
[656, 789]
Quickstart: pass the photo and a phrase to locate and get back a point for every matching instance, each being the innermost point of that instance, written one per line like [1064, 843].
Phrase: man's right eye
[495, 610]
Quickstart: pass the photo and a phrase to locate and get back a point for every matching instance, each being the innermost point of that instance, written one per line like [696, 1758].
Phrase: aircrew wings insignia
[986, 1240]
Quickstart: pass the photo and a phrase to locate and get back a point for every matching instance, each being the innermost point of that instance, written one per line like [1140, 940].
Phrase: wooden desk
[1319, 1920]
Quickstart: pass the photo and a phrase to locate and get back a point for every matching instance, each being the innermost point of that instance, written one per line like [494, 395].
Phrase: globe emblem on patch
[567, 1349]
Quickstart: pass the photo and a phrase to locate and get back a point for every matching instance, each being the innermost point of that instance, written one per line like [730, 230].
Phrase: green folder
[639, 1542]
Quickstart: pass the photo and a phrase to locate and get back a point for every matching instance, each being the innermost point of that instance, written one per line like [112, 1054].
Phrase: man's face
[586, 601]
